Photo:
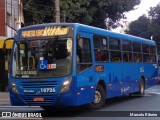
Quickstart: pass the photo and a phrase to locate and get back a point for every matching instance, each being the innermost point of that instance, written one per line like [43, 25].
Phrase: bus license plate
[47, 90]
[38, 99]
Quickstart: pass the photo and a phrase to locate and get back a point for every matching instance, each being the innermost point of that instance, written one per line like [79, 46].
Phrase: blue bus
[70, 64]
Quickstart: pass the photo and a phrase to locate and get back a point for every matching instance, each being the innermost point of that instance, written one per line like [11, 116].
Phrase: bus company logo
[141, 69]
[47, 31]
[10, 115]
[6, 114]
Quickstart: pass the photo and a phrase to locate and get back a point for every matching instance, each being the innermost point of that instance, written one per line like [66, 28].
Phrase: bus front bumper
[64, 99]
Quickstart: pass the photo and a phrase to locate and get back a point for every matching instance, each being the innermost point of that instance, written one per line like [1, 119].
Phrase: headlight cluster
[66, 85]
[14, 87]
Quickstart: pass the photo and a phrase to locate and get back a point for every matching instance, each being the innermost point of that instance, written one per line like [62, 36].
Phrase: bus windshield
[51, 57]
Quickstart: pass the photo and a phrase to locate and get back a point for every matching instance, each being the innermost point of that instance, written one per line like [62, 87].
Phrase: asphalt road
[121, 108]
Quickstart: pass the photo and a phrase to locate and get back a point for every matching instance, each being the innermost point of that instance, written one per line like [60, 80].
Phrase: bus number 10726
[47, 90]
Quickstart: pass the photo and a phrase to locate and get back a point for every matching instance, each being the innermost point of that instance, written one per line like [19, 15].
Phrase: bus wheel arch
[102, 83]
[100, 96]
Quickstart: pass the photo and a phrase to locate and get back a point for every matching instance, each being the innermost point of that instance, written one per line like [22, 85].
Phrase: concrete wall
[14, 8]
[10, 10]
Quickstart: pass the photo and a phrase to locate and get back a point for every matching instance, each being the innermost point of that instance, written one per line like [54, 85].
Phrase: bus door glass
[84, 67]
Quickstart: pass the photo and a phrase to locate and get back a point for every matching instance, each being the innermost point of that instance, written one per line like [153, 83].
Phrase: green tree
[90, 12]
[146, 27]
[76, 11]
[112, 9]
[37, 11]
[140, 27]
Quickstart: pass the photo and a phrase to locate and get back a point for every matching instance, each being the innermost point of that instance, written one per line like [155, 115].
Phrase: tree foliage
[112, 9]
[37, 11]
[147, 26]
[140, 27]
[90, 12]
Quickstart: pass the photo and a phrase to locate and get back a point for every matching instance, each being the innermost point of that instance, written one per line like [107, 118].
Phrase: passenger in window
[153, 59]
[147, 49]
[129, 57]
[146, 59]
[98, 55]
[104, 57]
[126, 57]
[137, 58]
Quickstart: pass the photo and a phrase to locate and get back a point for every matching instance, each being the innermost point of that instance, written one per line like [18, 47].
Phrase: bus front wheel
[99, 98]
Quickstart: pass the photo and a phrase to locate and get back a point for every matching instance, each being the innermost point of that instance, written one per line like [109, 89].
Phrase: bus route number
[47, 90]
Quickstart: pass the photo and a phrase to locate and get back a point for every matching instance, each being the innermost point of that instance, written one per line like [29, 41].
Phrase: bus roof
[92, 30]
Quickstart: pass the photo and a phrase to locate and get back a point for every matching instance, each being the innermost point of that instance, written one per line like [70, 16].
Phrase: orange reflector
[99, 68]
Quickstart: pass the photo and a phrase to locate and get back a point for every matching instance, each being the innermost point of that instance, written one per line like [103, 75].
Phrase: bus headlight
[66, 85]
[14, 87]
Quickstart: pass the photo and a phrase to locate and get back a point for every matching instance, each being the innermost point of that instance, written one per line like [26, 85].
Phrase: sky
[141, 9]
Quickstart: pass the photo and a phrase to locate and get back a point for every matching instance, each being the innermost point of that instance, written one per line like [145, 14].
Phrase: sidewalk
[4, 99]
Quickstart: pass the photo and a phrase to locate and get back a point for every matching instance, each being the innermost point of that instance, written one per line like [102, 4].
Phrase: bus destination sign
[47, 31]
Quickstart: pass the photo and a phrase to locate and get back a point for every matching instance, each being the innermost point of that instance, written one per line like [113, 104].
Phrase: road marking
[154, 93]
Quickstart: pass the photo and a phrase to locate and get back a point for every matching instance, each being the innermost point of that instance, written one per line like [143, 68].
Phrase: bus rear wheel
[141, 89]
[99, 98]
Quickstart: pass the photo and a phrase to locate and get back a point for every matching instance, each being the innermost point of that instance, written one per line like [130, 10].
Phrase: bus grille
[36, 85]
[44, 84]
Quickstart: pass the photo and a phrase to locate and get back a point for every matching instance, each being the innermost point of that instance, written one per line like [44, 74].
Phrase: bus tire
[140, 92]
[99, 98]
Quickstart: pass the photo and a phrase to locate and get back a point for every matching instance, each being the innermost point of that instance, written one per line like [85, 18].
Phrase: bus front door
[85, 71]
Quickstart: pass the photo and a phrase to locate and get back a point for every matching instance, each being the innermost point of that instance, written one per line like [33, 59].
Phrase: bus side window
[127, 50]
[153, 54]
[104, 55]
[84, 54]
[115, 56]
[101, 55]
[100, 48]
[115, 49]
[127, 57]
[145, 48]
